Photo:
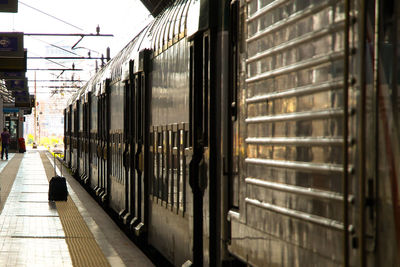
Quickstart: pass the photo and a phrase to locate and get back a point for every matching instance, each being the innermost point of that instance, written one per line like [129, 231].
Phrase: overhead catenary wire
[50, 60]
[47, 14]
[56, 46]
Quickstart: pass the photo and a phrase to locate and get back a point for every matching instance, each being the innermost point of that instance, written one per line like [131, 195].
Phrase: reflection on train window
[170, 166]
[396, 92]
[389, 82]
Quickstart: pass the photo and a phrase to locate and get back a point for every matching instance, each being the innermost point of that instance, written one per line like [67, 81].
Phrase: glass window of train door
[396, 90]
[206, 86]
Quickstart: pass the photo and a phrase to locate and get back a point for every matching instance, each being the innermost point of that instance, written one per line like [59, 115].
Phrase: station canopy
[156, 6]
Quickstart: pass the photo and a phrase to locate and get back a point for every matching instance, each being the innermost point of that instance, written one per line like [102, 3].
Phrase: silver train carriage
[253, 132]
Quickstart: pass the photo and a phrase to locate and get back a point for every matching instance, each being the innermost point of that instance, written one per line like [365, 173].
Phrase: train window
[396, 91]
[66, 122]
[191, 82]
[126, 110]
[206, 82]
[80, 112]
[389, 62]
[70, 120]
[72, 123]
[99, 117]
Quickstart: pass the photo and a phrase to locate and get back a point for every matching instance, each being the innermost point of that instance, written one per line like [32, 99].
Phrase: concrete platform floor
[32, 231]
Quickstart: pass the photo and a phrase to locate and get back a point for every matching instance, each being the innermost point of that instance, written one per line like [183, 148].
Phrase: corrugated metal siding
[294, 125]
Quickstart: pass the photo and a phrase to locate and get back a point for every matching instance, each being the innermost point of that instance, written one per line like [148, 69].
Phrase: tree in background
[30, 139]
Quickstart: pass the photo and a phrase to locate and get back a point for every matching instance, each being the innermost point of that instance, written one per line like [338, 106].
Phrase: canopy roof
[156, 6]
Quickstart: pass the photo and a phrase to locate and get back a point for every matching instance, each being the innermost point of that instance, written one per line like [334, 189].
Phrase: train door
[65, 134]
[135, 178]
[141, 136]
[100, 124]
[75, 136]
[232, 115]
[104, 140]
[69, 156]
[378, 231]
[94, 141]
[116, 177]
[69, 137]
[81, 138]
[86, 146]
[128, 137]
[202, 165]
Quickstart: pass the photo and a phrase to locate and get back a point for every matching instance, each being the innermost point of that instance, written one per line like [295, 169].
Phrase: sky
[122, 18]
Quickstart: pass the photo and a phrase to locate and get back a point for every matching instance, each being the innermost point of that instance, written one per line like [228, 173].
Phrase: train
[250, 133]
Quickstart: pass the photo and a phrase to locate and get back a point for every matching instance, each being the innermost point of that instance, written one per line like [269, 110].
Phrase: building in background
[49, 120]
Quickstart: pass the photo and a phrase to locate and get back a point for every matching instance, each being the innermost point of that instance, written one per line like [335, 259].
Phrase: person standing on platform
[5, 141]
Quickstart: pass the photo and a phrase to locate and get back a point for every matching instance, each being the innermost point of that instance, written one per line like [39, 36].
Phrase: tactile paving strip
[81, 243]
[72, 221]
[7, 177]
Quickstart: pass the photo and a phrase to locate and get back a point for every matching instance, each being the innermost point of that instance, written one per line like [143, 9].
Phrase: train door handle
[197, 172]
[126, 157]
[105, 153]
[139, 162]
[98, 151]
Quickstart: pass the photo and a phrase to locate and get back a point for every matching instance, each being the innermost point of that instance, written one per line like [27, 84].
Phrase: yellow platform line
[82, 246]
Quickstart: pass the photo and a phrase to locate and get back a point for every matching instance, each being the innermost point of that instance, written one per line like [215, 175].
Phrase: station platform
[38, 232]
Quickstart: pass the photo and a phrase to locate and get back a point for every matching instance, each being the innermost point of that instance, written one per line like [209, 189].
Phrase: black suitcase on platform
[58, 189]
[57, 186]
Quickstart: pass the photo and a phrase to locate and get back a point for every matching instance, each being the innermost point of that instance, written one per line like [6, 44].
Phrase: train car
[261, 133]
[140, 143]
